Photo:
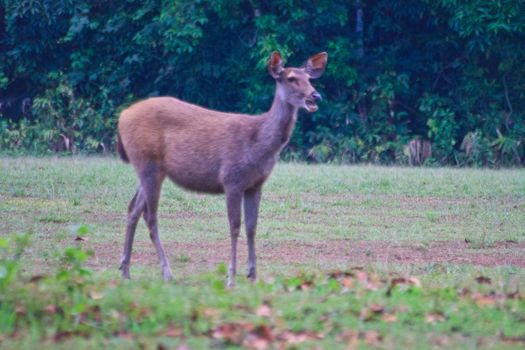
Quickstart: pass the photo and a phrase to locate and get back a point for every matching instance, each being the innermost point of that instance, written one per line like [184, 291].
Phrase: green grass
[312, 219]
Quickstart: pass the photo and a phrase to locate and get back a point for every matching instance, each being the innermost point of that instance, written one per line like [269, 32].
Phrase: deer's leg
[151, 179]
[135, 209]
[252, 198]
[233, 204]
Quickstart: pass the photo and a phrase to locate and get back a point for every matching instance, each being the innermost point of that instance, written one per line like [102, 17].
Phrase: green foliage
[72, 123]
[11, 250]
[439, 69]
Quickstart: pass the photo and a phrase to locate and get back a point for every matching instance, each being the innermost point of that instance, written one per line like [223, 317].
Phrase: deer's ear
[316, 65]
[275, 65]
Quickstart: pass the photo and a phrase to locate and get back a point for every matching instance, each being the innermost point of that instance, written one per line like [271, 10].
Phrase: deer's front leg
[252, 198]
[233, 204]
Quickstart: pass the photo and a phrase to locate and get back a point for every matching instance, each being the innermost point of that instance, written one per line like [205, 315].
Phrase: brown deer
[213, 152]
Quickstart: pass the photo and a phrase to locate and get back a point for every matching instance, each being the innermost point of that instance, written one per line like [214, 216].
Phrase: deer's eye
[291, 79]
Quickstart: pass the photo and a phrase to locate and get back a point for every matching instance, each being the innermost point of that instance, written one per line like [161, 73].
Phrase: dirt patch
[206, 255]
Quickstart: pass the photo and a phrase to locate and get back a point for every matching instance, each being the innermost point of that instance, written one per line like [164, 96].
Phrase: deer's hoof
[251, 275]
[167, 276]
[125, 272]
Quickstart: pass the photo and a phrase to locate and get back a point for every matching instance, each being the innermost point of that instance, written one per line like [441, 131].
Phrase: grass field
[348, 257]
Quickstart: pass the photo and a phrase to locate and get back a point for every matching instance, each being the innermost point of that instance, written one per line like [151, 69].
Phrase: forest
[446, 76]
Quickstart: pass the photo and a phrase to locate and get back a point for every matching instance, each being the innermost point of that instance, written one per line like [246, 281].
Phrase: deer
[214, 152]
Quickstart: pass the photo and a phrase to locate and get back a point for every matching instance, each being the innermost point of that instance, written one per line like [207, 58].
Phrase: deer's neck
[278, 125]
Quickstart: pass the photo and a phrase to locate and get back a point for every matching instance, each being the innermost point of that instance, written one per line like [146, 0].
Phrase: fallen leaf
[402, 280]
[483, 280]
[264, 311]
[513, 295]
[414, 281]
[60, 336]
[362, 276]
[484, 300]
[95, 295]
[259, 338]
[338, 274]
[50, 309]
[211, 312]
[377, 309]
[125, 335]
[434, 317]
[96, 312]
[347, 282]
[464, 292]
[512, 339]
[350, 337]
[252, 342]
[81, 239]
[299, 337]
[173, 331]
[389, 318]
[306, 285]
[21, 310]
[441, 341]
[229, 332]
[372, 337]
[36, 278]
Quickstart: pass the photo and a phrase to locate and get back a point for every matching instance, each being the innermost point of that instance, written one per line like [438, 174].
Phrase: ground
[449, 229]
[322, 216]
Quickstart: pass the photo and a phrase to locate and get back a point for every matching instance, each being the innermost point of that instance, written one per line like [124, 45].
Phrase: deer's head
[293, 84]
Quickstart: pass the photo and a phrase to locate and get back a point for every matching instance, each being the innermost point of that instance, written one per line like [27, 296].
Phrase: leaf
[50, 309]
[95, 295]
[125, 335]
[264, 311]
[402, 280]
[372, 337]
[484, 300]
[173, 331]
[377, 309]
[389, 318]
[229, 332]
[298, 337]
[36, 278]
[21, 310]
[211, 312]
[259, 338]
[350, 337]
[61, 336]
[512, 339]
[434, 317]
[483, 280]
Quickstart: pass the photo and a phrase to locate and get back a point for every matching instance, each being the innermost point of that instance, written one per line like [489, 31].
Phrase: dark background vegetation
[449, 71]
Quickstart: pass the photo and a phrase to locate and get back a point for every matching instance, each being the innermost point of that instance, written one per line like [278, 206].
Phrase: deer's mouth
[310, 105]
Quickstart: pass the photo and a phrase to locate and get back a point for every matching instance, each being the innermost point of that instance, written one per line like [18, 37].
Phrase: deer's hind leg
[151, 179]
[135, 209]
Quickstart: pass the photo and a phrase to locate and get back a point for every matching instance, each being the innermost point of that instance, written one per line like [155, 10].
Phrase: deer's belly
[191, 173]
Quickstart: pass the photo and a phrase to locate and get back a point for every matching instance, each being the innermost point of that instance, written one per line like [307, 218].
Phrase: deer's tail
[120, 149]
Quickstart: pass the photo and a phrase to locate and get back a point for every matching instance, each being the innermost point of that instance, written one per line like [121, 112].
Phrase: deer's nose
[317, 96]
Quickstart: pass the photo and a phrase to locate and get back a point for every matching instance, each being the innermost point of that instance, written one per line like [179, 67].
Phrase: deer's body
[213, 152]
[200, 149]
